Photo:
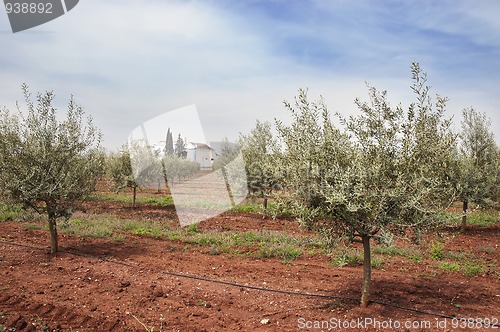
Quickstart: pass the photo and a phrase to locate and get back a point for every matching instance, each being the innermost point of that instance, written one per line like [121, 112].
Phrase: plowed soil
[141, 284]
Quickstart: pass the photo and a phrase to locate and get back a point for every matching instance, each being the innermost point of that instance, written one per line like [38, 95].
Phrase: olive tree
[46, 164]
[260, 150]
[479, 177]
[145, 166]
[386, 171]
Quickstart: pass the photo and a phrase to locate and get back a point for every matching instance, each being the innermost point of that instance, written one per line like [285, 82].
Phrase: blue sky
[129, 61]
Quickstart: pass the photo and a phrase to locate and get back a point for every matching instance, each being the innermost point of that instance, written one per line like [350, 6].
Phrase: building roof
[196, 145]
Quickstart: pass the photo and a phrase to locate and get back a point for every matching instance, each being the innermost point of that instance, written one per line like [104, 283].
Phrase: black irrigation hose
[264, 289]
[187, 276]
[328, 297]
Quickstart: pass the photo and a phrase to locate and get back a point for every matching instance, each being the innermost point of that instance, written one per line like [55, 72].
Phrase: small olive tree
[479, 177]
[46, 164]
[119, 169]
[260, 151]
[387, 171]
[145, 166]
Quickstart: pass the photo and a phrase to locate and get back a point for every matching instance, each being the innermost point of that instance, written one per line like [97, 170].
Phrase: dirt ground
[101, 285]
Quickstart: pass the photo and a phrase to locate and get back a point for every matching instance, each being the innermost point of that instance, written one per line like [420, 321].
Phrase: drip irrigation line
[23, 245]
[264, 289]
[326, 296]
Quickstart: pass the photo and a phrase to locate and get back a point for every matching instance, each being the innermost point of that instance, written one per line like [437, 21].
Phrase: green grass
[268, 244]
[413, 254]
[193, 228]
[120, 197]
[472, 268]
[143, 228]
[104, 226]
[119, 238]
[159, 200]
[246, 208]
[467, 268]
[259, 244]
[482, 218]
[449, 266]
[123, 197]
[436, 250]
[287, 253]
[10, 212]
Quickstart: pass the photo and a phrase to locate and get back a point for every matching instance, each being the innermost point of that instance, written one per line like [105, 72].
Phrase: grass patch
[436, 250]
[347, 259]
[150, 229]
[449, 266]
[124, 197]
[159, 200]
[483, 218]
[36, 225]
[104, 226]
[269, 244]
[413, 254]
[120, 197]
[193, 229]
[119, 238]
[10, 212]
[389, 251]
[247, 208]
[287, 253]
[471, 269]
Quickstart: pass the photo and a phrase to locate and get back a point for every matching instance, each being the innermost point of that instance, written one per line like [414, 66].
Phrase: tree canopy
[46, 164]
[387, 170]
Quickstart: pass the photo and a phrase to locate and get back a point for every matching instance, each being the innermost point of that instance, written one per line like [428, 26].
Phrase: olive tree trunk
[53, 232]
[134, 193]
[367, 271]
[464, 216]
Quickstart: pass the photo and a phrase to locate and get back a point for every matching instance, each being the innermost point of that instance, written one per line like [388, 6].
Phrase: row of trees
[50, 165]
[386, 169]
[138, 165]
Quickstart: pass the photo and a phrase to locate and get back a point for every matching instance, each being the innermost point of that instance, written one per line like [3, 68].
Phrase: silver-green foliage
[479, 160]
[47, 164]
[119, 169]
[260, 151]
[387, 170]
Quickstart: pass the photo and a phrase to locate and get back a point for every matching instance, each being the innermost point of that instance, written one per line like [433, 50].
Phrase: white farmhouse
[201, 153]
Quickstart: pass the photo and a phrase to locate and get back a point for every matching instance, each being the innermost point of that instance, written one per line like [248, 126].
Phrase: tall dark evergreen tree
[169, 144]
